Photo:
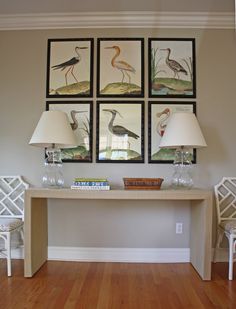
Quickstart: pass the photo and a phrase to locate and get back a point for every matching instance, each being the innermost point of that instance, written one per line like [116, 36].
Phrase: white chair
[225, 193]
[11, 212]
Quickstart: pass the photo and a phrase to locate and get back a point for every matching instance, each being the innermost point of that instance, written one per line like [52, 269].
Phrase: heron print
[80, 115]
[69, 68]
[120, 132]
[172, 68]
[120, 67]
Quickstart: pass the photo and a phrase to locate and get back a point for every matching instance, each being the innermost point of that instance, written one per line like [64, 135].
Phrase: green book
[90, 179]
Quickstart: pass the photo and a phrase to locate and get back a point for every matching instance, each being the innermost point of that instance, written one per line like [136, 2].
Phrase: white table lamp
[182, 133]
[53, 132]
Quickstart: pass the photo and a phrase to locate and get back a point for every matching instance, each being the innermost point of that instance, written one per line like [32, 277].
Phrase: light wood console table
[36, 224]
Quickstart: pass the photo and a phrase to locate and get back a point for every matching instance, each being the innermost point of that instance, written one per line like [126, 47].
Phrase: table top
[163, 194]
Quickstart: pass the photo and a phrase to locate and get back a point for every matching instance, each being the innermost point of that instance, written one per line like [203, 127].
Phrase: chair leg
[8, 252]
[22, 234]
[219, 238]
[231, 256]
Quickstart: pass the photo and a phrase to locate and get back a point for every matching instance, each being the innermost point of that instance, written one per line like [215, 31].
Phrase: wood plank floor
[115, 285]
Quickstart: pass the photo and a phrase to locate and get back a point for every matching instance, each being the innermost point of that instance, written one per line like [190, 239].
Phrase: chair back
[225, 194]
[12, 190]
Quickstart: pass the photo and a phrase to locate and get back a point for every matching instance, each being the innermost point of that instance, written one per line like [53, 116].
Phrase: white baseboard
[133, 255]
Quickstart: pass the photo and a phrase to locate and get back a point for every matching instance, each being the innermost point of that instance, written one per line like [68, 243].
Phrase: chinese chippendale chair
[225, 193]
[11, 212]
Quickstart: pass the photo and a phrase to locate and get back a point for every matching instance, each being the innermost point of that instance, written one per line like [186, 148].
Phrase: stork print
[70, 64]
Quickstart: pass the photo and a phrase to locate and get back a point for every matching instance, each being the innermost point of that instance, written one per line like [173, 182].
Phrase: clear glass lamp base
[182, 176]
[53, 176]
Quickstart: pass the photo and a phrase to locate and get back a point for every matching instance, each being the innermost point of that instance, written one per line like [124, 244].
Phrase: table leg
[36, 234]
[201, 237]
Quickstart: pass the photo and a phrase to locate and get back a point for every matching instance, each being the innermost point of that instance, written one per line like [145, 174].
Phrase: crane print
[70, 64]
[117, 129]
[120, 131]
[121, 65]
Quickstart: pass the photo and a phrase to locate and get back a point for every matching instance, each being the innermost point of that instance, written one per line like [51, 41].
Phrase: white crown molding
[147, 19]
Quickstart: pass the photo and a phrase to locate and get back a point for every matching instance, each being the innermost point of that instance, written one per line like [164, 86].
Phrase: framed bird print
[120, 132]
[80, 115]
[120, 67]
[70, 68]
[158, 116]
[172, 68]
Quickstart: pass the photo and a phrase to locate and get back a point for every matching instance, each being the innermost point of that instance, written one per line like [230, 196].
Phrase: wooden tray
[142, 183]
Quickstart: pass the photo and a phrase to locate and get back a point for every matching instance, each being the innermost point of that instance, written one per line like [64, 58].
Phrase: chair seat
[229, 226]
[10, 224]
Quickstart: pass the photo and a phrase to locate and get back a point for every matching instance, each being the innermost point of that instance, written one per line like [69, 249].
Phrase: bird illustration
[161, 125]
[118, 130]
[74, 124]
[70, 64]
[175, 66]
[121, 65]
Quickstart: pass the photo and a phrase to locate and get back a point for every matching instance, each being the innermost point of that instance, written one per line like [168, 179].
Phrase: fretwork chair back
[225, 193]
[11, 212]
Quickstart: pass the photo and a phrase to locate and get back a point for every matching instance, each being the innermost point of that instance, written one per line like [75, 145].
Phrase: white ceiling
[76, 6]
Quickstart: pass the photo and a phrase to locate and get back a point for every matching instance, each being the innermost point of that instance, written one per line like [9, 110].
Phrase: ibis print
[172, 68]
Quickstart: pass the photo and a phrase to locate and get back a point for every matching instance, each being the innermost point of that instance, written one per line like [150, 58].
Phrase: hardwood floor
[115, 285]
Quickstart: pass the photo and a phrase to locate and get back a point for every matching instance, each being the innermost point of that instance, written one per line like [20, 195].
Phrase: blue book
[91, 183]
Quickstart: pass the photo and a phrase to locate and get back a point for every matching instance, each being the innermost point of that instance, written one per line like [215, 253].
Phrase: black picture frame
[162, 110]
[120, 67]
[70, 68]
[120, 148]
[171, 68]
[80, 114]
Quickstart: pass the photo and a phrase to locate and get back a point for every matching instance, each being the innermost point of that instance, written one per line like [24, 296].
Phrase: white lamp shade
[183, 130]
[53, 128]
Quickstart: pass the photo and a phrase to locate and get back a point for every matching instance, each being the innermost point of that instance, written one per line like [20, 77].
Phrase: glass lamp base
[182, 176]
[53, 176]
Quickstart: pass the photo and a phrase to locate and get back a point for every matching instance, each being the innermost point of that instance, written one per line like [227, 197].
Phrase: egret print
[121, 65]
[120, 68]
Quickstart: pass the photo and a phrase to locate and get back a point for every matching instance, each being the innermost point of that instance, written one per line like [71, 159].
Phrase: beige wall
[22, 100]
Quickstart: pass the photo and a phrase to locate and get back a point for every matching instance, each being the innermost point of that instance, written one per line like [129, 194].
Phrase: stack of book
[142, 183]
[91, 184]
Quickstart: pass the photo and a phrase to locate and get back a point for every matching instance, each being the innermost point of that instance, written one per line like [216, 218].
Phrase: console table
[36, 229]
